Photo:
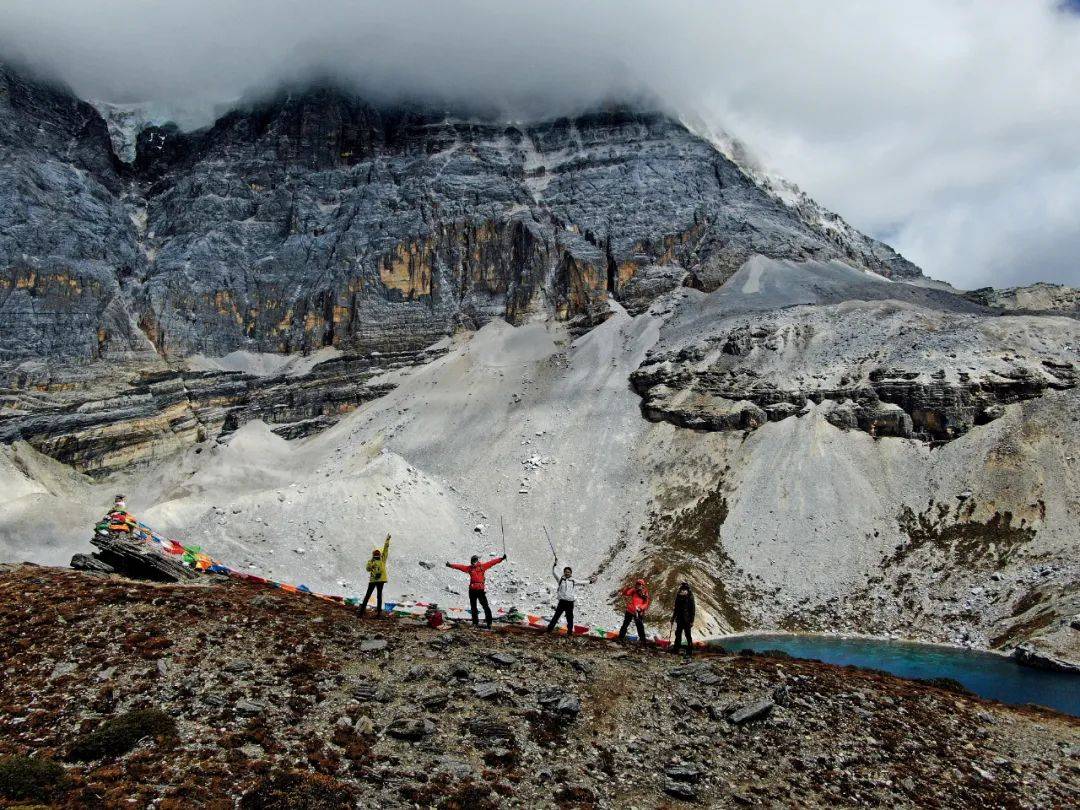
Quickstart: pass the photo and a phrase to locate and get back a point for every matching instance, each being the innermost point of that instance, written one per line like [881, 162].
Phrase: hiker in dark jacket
[682, 616]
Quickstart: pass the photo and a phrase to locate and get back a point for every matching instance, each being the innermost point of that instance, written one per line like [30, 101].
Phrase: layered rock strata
[116, 417]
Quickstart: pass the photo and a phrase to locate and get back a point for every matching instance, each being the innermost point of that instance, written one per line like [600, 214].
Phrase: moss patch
[30, 779]
[971, 543]
[297, 790]
[120, 734]
[695, 529]
[686, 546]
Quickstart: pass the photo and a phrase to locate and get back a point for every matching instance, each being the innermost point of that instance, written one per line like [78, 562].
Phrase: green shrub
[948, 684]
[119, 735]
[29, 778]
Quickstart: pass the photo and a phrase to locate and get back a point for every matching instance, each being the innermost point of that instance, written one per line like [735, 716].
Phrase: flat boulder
[435, 701]
[91, 564]
[249, 708]
[410, 729]
[563, 706]
[489, 728]
[683, 773]
[366, 692]
[567, 707]
[750, 712]
[487, 690]
[132, 558]
[700, 672]
[680, 781]
[680, 790]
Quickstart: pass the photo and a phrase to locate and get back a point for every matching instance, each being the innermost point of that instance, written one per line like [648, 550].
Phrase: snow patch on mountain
[780, 188]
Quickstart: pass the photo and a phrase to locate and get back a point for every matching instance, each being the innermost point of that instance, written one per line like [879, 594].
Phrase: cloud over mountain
[947, 128]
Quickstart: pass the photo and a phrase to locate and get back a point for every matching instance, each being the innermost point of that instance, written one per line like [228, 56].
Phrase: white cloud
[947, 126]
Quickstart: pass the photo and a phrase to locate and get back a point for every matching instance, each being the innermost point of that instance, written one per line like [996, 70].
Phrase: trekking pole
[554, 553]
[502, 529]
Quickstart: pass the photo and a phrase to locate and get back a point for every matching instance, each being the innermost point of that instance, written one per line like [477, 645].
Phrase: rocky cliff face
[318, 220]
[67, 244]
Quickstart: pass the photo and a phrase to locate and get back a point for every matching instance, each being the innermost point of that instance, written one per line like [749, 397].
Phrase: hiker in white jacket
[567, 595]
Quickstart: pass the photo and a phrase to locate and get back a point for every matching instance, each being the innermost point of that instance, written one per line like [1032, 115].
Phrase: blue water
[987, 675]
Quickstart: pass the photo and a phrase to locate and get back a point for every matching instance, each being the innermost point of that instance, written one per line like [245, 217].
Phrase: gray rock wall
[316, 219]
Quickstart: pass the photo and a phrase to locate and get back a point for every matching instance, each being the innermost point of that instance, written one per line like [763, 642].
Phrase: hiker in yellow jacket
[376, 568]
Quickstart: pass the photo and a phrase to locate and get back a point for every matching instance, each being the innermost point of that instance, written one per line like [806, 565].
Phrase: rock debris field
[124, 694]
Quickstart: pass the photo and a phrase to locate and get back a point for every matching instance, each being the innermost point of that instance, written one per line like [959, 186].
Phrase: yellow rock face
[405, 270]
[626, 271]
[225, 304]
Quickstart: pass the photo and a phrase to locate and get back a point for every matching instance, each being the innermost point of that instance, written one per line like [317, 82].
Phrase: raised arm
[458, 567]
[492, 563]
[555, 573]
[386, 548]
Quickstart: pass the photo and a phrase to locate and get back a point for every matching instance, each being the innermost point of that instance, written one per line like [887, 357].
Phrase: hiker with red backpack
[477, 588]
[637, 602]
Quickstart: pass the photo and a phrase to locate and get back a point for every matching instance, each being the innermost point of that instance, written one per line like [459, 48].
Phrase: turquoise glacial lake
[985, 674]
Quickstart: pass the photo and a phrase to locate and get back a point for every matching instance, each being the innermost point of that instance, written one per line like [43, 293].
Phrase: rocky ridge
[262, 698]
[1040, 298]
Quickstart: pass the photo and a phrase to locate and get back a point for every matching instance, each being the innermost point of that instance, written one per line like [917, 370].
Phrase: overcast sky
[949, 128]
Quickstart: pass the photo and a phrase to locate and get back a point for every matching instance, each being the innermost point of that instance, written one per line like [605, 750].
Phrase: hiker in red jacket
[637, 602]
[477, 593]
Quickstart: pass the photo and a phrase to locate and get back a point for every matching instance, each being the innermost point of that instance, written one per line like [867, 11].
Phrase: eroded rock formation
[112, 417]
[887, 359]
